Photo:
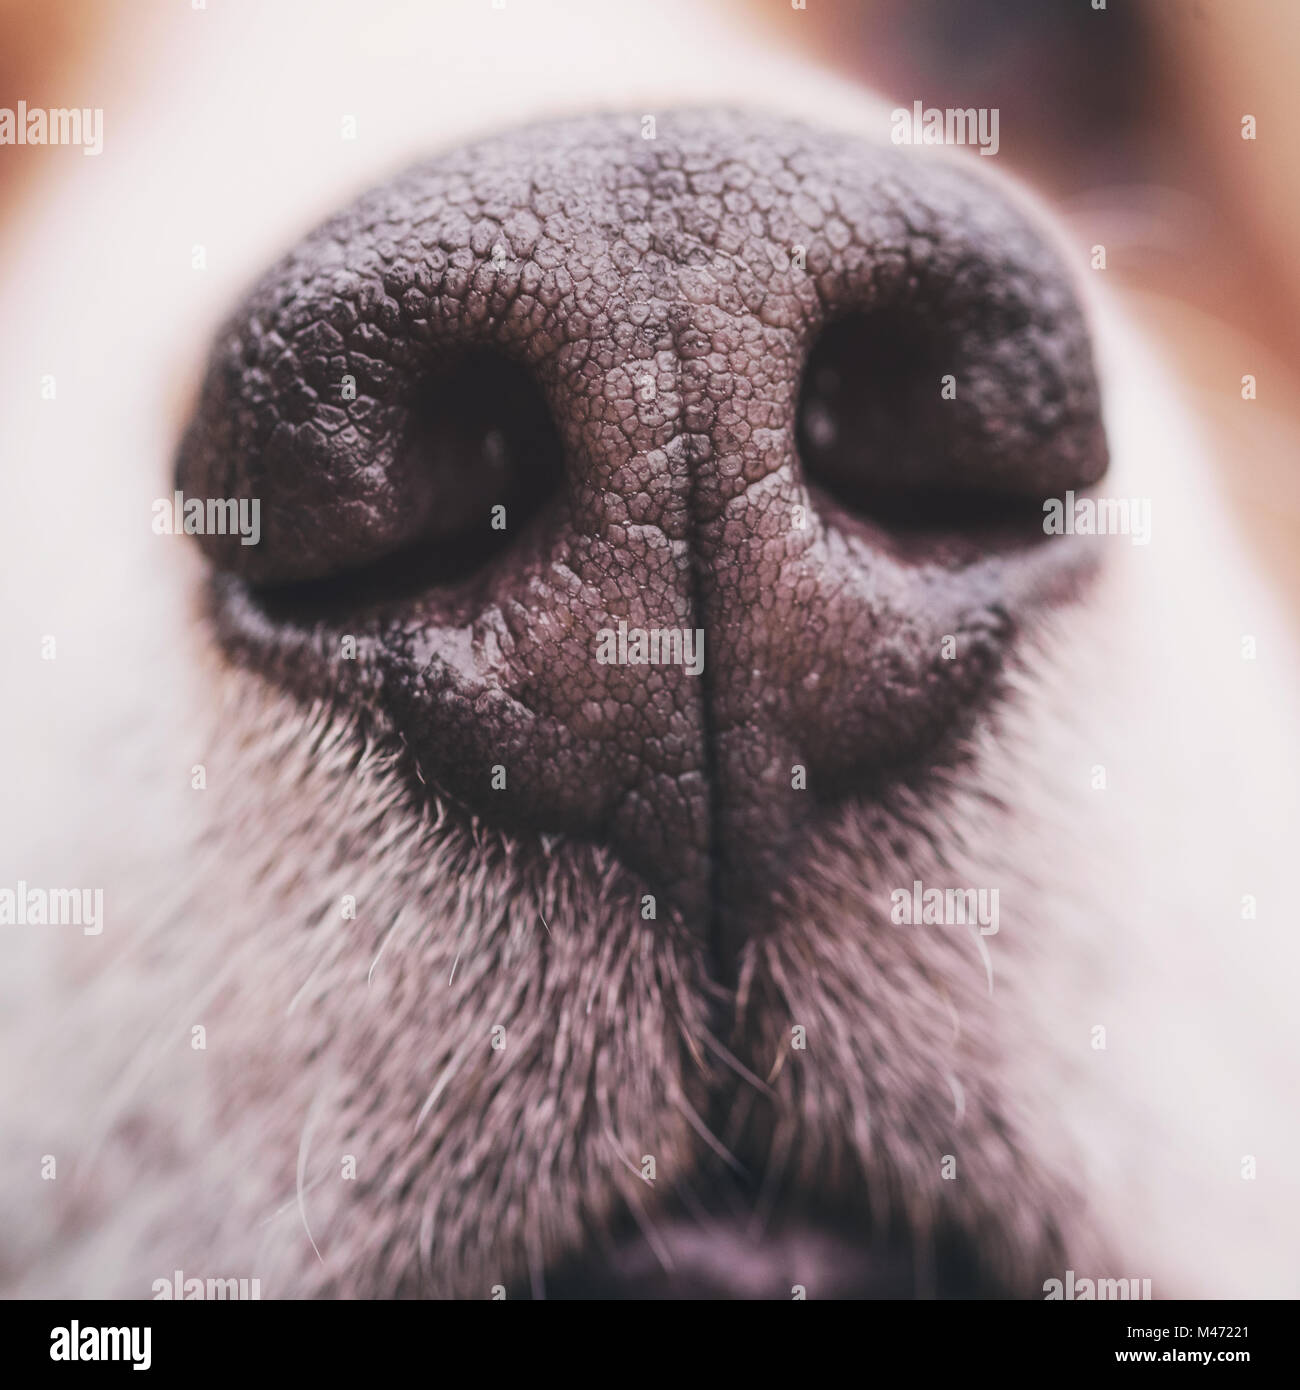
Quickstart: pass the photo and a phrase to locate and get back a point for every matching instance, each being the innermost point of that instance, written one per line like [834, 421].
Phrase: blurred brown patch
[45, 50]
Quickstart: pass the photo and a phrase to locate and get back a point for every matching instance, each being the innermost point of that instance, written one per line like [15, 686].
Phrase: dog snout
[657, 486]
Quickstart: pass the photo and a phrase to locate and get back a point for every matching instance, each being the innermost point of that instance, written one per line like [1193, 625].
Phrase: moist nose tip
[786, 389]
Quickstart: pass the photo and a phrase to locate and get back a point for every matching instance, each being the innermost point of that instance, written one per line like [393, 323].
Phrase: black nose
[672, 488]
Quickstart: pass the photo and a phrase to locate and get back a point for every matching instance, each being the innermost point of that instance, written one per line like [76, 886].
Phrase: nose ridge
[665, 294]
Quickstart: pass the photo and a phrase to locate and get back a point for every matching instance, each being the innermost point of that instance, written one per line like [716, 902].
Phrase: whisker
[711, 1139]
[736, 1065]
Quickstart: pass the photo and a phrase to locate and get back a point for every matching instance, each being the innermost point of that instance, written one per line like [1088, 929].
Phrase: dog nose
[672, 480]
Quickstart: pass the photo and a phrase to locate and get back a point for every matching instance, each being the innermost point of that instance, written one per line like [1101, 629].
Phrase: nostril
[405, 478]
[961, 393]
[483, 432]
[868, 404]
[481, 438]
[883, 429]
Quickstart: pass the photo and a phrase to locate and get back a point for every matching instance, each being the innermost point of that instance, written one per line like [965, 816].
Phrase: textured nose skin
[665, 294]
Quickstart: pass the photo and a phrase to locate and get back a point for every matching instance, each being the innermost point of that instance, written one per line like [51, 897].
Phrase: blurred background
[1127, 117]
